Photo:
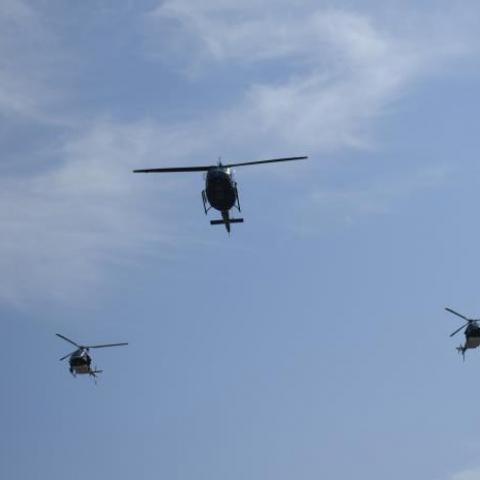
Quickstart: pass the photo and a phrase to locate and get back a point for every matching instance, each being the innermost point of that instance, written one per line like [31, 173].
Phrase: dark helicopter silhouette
[472, 332]
[80, 361]
[220, 188]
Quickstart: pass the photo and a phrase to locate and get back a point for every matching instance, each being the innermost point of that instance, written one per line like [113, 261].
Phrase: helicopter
[220, 191]
[80, 361]
[472, 332]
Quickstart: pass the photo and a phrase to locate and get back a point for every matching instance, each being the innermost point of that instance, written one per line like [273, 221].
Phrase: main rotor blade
[459, 329]
[69, 355]
[258, 162]
[174, 169]
[456, 313]
[68, 340]
[107, 345]
[204, 168]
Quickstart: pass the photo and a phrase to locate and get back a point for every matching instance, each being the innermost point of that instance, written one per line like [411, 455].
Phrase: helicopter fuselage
[220, 189]
[472, 336]
[221, 194]
[80, 362]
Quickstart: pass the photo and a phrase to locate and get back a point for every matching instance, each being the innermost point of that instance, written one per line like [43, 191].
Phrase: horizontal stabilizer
[223, 222]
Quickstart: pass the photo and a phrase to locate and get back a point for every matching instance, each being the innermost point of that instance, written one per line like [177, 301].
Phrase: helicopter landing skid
[94, 374]
[205, 202]
[238, 199]
[461, 349]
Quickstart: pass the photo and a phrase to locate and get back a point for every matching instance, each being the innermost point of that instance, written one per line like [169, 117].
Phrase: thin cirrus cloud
[337, 70]
[64, 228]
[340, 71]
[75, 215]
[473, 474]
[70, 209]
[378, 197]
[30, 85]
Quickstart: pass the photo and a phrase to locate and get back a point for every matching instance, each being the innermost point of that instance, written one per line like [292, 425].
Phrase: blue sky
[312, 342]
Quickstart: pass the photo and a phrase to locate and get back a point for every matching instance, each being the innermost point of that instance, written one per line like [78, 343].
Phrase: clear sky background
[311, 343]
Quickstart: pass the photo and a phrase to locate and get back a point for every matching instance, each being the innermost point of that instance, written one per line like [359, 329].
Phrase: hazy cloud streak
[78, 210]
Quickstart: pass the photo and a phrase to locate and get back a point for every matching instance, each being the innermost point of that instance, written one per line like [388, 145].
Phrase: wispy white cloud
[379, 196]
[225, 31]
[67, 221]
[473, 474]
[62, 229]
[337, 70]
[30, 62]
